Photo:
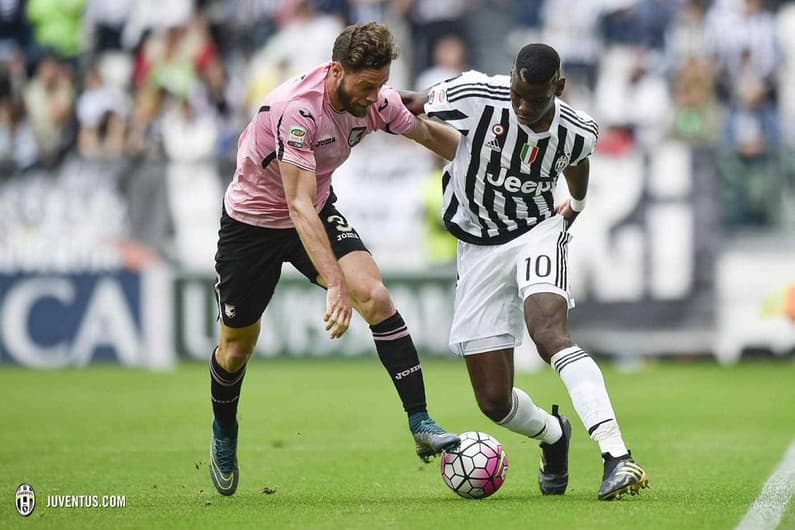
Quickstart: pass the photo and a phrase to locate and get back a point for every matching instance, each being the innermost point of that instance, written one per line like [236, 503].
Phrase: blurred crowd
[119, 118]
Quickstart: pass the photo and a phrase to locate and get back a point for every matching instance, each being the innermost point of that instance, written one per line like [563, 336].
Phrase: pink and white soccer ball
[477, 467]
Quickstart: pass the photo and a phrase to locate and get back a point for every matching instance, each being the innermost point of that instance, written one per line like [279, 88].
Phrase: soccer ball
[477, 467]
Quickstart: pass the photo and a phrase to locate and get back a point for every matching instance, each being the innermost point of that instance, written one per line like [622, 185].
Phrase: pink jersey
[298, 125]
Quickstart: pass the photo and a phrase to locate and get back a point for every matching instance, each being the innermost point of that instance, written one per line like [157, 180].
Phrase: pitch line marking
[768, 508]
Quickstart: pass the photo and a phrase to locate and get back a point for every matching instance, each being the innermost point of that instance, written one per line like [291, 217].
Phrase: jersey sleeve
[589, 143]
[449, 100]
[295, 132]
[393, 116]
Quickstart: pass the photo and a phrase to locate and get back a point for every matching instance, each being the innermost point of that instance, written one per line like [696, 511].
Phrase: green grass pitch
[331, 439]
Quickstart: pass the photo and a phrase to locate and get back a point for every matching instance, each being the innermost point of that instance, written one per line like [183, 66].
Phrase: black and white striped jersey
[502, 179]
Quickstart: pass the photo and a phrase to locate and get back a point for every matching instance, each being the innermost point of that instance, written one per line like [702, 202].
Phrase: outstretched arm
[439, 138]
[300, 189]
[414, 101]
[577, 180]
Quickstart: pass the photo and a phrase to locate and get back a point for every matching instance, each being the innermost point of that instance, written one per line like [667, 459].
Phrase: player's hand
[414, 101]
[568, 214]
[338, 310]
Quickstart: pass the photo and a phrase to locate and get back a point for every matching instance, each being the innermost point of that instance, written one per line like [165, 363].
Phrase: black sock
[225, 391]
[399, 356]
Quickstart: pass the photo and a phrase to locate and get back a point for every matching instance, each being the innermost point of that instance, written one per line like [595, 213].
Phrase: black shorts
[249, 260]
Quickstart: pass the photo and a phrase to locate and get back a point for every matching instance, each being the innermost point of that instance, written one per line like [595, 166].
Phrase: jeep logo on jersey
[356, 135]
[296, 136]
[26, 499]
[513, 184]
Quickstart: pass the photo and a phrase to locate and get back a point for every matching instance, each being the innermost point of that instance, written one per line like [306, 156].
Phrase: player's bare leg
[492, 377]
[547, 321]
[227, 369]
[395, 349]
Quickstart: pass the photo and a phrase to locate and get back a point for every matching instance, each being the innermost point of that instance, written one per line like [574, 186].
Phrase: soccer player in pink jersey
[280, 208]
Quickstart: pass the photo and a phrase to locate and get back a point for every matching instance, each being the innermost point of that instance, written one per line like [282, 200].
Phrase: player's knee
[549, 339]
[233, 355]
[494, 405]
[373, 301]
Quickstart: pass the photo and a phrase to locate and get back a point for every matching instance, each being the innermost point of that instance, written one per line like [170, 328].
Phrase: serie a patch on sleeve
[296, 136]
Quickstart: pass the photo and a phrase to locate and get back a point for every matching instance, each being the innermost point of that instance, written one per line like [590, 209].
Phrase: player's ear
[561, 86]
[336, 69]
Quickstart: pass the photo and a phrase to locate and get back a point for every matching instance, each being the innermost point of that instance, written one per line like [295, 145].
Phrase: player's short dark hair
[537, 63]
[366, 45]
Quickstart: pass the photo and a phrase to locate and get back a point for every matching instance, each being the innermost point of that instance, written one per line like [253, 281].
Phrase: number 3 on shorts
[341, 222]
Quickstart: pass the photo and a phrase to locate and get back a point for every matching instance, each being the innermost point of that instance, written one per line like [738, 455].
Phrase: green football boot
[429, 437]
[223, 460]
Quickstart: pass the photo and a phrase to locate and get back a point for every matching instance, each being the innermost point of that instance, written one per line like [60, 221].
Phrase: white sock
[588, 393]
[533, 421]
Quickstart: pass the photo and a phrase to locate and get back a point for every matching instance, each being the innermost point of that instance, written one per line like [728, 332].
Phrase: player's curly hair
[365, 45]
[537, 63]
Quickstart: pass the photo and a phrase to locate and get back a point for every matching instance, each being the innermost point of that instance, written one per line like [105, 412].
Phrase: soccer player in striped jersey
[517, 137]
[280, 208]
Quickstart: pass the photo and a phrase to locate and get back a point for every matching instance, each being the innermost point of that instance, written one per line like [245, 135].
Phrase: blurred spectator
[57, 25]
[449, 60]
[651, 19]
[430, 21]
[739, 26]
[632, 99]
[440, 246]
[243, 25]
[393, 13]
[572, 28]
[752, 127]
[15, 33]
[49, 100]
[143, 139]
[696, 113]
[786, 74]
[104, 22]
[309, 31]
[102, 112]
[687, 35]
[150, 16]
[638, 22]
[190, 138]
[18, 148]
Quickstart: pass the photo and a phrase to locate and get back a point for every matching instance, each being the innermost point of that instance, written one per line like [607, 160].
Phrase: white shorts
[494, 281]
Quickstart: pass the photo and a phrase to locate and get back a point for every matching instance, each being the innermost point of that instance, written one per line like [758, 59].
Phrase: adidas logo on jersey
[494, 145]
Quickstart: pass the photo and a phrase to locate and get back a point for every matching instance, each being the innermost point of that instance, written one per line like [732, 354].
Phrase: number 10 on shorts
[537, 267]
